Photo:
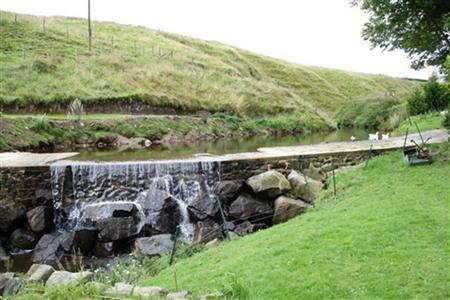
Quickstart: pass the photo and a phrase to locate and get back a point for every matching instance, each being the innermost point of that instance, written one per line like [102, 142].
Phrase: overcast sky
[311, 32]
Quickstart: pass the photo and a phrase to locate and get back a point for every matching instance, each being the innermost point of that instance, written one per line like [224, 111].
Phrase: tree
[432, 96]
[419, 27]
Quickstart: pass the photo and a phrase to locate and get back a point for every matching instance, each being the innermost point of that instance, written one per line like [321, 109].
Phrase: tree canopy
[419, 27]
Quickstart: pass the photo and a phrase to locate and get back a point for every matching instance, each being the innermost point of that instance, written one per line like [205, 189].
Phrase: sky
[323, 33]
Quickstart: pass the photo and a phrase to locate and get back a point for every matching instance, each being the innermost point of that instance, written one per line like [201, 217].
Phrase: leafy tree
[419, 27]
[433, 96]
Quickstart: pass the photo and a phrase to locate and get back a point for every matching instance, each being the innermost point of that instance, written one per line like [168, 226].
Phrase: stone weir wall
[26, 187]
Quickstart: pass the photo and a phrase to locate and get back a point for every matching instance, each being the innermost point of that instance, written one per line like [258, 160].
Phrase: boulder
[227, 190]
[104, 249]
[40, 218]
[206, 231]
[269, 185]
[113, 220]
[182, 295]
[300, 189]
[43, 197]
[10, 213]
[48, 250]
[39, 273]
[9, 285]
[162, 212]
[80, 239]
[113, 229]
[149, 292]
[287, 208]
[153, 246]
[125, 289]
[23, 239]
[212, 296]
[315, 173]
[248, 207]
[66, 278]
[203, 205]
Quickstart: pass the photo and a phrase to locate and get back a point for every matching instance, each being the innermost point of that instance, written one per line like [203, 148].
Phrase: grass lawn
[386, 236]
[425, 122]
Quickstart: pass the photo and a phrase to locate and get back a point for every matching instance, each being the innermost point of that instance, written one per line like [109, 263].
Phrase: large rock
[248, 207]
[125, 289]
[206, 231]
[162, 212]
[182, 295]
[243, 228]
[68, 278]
[153, 246]
[23, 239]
[113, 220]
[227, 190]
[9, 285]
[301, 189]
[40, 218]
[39, 273]
[269, 185]
[48, 250]
[287, 208]
[315, 173]
[10, 215]
[80, 239]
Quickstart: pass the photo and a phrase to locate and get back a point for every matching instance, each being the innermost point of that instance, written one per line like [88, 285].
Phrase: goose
[352, 138]
[373, 136]
[385, 137]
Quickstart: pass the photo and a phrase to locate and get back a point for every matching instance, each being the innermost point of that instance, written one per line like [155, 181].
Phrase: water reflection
[225, 146]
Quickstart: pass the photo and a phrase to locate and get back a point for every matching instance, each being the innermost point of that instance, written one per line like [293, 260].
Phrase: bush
[433, 96]
[41, 124]
[446, 121]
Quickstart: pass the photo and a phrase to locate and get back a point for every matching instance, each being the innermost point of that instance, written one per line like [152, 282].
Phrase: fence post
[67, 31]
[15, 18]
[224, 220]
[23, 51]
[334, 181]
[174, 248]
[369, 156]
[43, 24]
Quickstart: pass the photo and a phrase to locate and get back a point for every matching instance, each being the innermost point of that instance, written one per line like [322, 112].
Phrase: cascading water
[77, 185]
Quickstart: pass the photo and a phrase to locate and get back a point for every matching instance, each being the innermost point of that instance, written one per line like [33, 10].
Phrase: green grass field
[424, 122]
[131, 63]
[386, 236]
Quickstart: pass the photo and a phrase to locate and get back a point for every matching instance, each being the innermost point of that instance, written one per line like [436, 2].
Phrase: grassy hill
[128, 63]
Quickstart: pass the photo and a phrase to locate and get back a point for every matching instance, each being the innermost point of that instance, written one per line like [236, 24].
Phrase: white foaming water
[93, 183]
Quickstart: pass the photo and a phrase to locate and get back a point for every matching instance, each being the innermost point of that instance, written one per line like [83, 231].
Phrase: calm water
[219, 147]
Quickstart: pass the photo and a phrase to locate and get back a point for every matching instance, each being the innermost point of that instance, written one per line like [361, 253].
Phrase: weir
[81, 186]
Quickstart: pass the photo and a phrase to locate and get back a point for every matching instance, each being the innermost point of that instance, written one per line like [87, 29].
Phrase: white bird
[385, 137]
[352, 138]
[373, 136]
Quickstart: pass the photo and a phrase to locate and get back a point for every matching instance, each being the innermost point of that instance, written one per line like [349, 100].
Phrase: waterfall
[78, 184]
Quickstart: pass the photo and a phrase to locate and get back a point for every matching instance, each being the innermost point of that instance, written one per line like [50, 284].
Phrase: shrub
[446, 121]
[433, 96]
[41, 124]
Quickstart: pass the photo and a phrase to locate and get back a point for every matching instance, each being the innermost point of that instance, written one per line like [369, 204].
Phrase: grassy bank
[385, 236]
[424, 122]
[53, 132]
[133, 64]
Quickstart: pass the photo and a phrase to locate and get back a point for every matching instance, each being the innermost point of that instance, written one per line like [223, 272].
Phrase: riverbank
[58, 133]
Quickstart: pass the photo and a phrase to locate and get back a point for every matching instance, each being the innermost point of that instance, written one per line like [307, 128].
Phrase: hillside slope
[384, 237]
[130, 63]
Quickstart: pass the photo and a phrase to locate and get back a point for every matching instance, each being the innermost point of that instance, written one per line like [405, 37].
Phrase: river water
[219, 147]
